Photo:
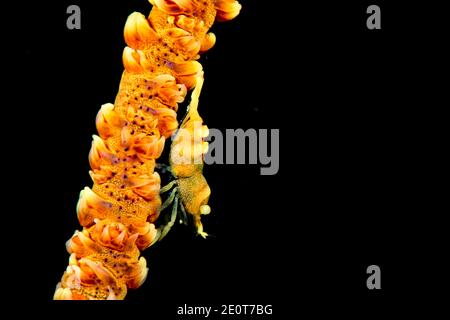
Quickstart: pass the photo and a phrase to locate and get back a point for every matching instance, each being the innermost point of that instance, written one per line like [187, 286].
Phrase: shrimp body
[186, 161]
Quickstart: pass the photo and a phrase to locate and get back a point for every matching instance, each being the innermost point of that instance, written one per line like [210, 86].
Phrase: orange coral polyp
[118, 212]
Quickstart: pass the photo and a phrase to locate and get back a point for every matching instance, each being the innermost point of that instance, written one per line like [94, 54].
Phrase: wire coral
[118, 213]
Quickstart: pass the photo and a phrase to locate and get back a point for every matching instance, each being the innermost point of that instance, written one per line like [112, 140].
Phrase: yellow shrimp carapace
[118, 213]
[186, 162]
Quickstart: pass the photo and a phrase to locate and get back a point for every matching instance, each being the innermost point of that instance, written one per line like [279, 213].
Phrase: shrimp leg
[166, 228]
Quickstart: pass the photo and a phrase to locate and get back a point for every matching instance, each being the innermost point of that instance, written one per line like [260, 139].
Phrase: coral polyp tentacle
[119, 211]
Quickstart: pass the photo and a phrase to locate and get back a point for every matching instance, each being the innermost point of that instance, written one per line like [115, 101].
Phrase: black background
[349, 103]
